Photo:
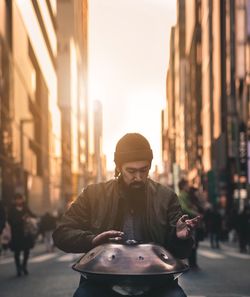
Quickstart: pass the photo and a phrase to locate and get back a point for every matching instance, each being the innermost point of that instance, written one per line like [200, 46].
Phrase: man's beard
[136, 194]
[137, 185]
[136, 188]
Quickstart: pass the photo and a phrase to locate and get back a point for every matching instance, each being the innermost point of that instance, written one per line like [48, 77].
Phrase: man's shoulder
[100, 187]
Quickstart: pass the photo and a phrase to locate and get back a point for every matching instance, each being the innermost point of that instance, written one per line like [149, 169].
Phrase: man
[22, 240]
[131, 206]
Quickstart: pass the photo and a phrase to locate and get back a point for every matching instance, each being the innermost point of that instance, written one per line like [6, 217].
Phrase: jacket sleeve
[180, 248]
[73, 234]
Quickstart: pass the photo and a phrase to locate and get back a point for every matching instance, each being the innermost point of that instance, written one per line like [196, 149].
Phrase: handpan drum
[133, 268]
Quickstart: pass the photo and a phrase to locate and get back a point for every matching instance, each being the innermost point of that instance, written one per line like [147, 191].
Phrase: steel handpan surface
[137, 260]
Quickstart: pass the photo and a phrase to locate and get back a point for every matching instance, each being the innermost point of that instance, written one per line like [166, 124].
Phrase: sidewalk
[223, 245]
[38, 249]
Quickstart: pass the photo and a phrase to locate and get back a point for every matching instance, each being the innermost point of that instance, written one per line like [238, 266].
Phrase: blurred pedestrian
[213, 221]
[21, 221]
[2, 222]
[191, 206]
[243, 229]
[232, 225]
[183, 196]
[2, 216]
[6, 237]
[47, 226]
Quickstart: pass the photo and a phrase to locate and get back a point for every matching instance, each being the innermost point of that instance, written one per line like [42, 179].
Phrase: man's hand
[185, 227]
[106, 236]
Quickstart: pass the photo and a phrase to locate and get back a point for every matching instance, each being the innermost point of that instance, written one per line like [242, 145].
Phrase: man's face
[135, 174]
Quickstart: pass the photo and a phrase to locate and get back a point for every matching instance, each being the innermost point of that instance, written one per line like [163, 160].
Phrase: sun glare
[140, 117]
[128, 47]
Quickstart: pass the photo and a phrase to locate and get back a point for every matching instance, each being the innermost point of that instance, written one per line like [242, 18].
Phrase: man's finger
[115, 239]
[198, 218]
[184, 218]
[104, 236]
[192, 224]
[111, 233]
[114, 233]
[194, 220]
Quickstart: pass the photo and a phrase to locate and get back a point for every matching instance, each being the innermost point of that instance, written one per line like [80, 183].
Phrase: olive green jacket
[186, 205]
[95, 211]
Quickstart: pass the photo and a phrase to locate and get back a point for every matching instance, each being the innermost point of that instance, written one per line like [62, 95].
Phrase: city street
[224, 273]
[125, 115]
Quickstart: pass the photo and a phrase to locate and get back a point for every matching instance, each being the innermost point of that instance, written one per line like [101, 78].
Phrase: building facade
[30, 102]
[193, 98]
[216, 101]
[72, 95]
[98, 159]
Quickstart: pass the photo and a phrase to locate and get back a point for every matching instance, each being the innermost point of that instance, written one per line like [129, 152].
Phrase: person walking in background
[213, 221]
[23, 238]
[6, 237]
[232, 225]
[190, 205]
[183, 196]
[46, 227]
[243, 229]
[2, 222]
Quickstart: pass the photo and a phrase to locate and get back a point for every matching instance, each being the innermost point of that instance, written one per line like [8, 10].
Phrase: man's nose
[138, 176]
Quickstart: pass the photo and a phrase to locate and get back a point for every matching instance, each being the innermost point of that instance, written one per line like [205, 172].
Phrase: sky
[128, 60]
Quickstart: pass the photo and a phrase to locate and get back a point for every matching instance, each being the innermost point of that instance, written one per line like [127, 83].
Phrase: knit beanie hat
[132, 147]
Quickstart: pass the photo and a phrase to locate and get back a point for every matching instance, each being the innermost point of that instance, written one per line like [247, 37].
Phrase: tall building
[98, 160]
[30, 103]
[175, 159]
[180, 83]
[237, 23]
[247, 92]
[206, 88]
[7, 164]
[168, 133]
[72, 94]
[216, 101]
[193, 100]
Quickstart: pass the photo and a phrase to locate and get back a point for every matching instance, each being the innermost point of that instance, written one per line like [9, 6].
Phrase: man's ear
[117, 171]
